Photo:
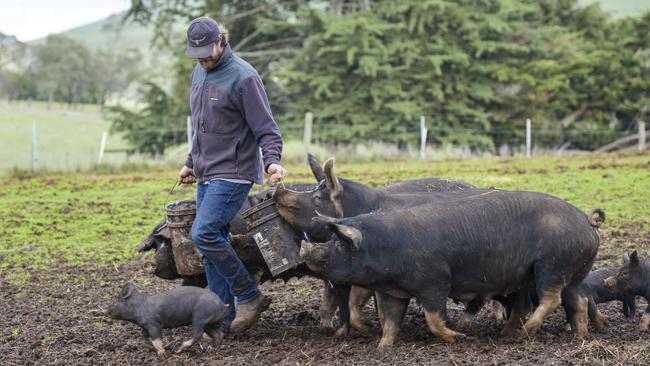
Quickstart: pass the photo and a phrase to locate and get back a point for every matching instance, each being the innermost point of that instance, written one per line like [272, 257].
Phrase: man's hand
[277, 172]
[186, 175]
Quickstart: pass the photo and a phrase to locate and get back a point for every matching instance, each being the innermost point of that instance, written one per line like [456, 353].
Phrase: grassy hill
[113, 34]
[621, 8]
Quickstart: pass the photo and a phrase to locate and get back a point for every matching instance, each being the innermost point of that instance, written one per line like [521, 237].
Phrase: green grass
[67, 139]
[92, 220]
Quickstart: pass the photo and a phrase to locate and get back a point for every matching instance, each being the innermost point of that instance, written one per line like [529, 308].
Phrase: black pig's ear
[127, 290]
[331, 182]
[149, 243]
[334, 186]
[634, 259]
[348, 234]
[164, 232]
[626, 257]
[316, 169]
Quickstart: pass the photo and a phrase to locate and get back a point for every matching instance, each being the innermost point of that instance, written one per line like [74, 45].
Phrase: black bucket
[180, 216]
[273, 235]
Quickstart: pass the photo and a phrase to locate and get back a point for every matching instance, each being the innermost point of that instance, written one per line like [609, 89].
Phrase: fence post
[189, 133]
[641, 135]
[423, 136]
[306, 140]
[102, 146]
[528, 137]
[34, 156]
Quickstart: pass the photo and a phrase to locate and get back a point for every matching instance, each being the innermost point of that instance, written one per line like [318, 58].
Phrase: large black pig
[633, 279]
[340, 197]
[497, 243]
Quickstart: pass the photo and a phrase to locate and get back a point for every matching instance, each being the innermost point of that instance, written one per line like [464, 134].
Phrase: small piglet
[633, 279]
[181, 306]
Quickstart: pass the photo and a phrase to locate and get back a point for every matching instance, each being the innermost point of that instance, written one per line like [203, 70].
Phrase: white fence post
[189, 134]
[528, 137]
[641, 135]
[34, 156]
[102, 146]
[309, 121]
[423, 136]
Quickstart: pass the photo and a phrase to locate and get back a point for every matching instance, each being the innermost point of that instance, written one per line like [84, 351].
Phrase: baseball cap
[201, 34]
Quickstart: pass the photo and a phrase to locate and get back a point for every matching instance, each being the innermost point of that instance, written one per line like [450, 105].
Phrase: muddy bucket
[180, 216]
[273, 235]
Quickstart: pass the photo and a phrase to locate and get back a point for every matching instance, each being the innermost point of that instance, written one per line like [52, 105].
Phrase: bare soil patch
[56, 319]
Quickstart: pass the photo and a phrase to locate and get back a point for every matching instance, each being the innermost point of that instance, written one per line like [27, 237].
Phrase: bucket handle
[176, 184]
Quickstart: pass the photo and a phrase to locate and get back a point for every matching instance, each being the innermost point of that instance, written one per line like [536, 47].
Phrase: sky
[33, 19]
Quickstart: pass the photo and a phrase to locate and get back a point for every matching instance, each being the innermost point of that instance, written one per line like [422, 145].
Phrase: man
[232, 120]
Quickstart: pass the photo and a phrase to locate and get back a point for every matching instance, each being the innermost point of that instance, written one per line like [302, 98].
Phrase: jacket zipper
[202, 119]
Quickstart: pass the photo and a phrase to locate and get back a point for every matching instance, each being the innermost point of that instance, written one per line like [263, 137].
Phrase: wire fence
[411, 136]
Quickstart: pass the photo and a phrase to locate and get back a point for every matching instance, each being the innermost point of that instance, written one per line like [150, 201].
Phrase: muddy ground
[56, 319]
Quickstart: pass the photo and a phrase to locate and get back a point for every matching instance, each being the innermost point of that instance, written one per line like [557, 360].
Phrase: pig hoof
[454, 337]
[465, 321]
[385, 344]
[161, 354]
[567, 327]
[184, 346]
[362, 329]
[325, 324]
[342, 332]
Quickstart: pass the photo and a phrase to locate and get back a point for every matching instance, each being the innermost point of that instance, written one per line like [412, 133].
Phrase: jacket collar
[225, 58]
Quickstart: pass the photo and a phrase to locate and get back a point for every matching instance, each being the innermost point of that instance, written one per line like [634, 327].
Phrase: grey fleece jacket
[231, 121]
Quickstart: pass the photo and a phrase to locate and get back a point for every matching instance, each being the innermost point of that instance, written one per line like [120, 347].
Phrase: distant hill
[621, 8]
[111, 33]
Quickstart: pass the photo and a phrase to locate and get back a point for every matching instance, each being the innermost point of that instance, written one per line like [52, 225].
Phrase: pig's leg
[216, 334]
[327, 306]
[434, 312]
[197, 332]
[520, 306]
[595, 317]
[576, 304]
[549, 299]
[645, 320]
[146, 337]
[156, 339]
[473, 307]
[358, 298]
[393, 310]
[629, 307]
[343, 296]
[498, 312]
[380, 312]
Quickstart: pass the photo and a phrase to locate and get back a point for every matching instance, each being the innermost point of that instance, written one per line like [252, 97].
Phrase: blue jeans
[217, 203]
